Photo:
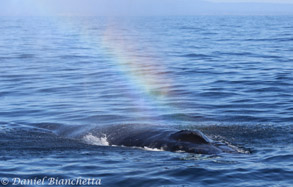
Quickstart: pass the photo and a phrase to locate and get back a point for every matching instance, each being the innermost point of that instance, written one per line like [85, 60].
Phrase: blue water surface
[230, 77]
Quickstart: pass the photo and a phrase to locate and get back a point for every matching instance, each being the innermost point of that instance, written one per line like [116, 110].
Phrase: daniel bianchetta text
[52, 181]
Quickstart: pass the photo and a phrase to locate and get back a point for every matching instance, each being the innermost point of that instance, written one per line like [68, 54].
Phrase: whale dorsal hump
[191, 136]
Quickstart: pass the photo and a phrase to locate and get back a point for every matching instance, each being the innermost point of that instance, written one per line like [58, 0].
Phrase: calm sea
[230, 77]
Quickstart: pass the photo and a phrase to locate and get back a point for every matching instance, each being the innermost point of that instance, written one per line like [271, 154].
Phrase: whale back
[157, 137]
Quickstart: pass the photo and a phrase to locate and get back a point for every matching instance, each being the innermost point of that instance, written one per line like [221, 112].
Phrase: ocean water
[61, 78]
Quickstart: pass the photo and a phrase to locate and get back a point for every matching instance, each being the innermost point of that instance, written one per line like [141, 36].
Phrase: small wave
[190, 28]
[269, 40]
[193, 55]
[152, 149]
[144, 148]
[217, 53]
[238, 149]
[93, 140]
[25, 56]
[279, 158]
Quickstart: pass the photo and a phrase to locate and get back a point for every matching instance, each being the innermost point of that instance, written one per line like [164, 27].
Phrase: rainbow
[142, 69]
[146, 75]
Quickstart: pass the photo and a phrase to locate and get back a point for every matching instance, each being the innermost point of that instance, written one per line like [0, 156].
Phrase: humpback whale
[191, 141]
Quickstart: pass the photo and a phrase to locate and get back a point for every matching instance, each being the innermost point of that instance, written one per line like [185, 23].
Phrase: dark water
[230, 77]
